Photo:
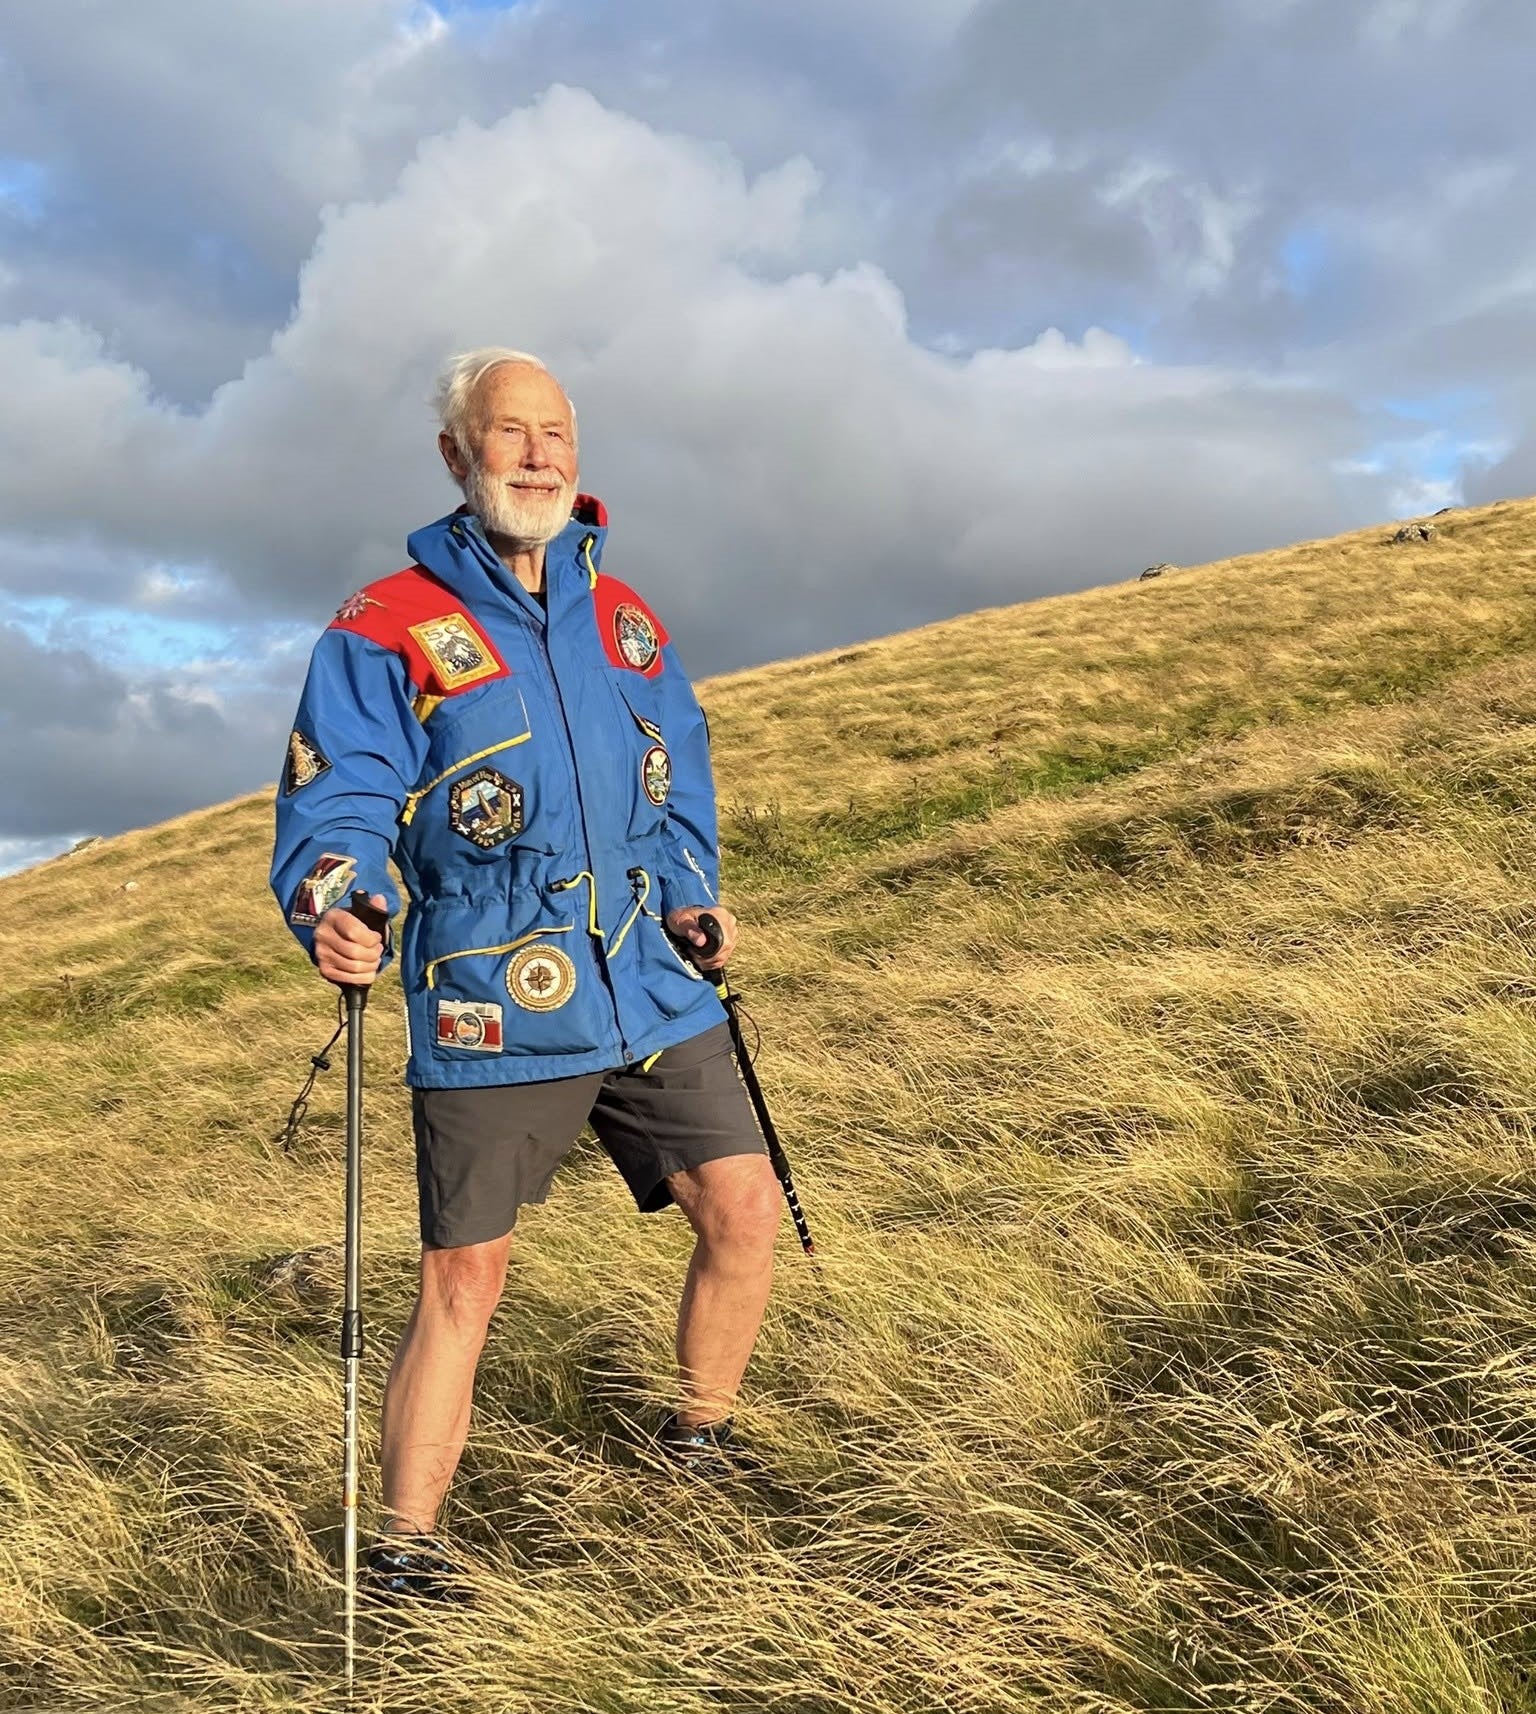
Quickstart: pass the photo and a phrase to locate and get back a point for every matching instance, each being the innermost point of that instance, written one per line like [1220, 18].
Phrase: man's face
[519, 470]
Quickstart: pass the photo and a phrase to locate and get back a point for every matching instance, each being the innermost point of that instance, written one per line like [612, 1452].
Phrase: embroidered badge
[656, 774]
[306, 763]
[355, 606]
[486, 808]
[323, 887]
[541, 978]
[455, 650]
[635, 633]
[474, 1024]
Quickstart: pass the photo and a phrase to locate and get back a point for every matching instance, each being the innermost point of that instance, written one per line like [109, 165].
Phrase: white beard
[523, 515]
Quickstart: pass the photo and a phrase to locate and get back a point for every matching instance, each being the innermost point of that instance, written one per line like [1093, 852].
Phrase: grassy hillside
[1147, 988]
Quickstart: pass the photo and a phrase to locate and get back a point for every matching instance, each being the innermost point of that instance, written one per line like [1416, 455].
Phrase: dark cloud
[86, 748]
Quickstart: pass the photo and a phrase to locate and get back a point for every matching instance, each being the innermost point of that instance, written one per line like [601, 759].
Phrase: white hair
[456, 386]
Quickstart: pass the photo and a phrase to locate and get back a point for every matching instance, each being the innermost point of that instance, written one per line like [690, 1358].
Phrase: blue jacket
[540, 776]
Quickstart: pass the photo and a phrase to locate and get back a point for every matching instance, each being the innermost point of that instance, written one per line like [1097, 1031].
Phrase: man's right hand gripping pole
[349, 942]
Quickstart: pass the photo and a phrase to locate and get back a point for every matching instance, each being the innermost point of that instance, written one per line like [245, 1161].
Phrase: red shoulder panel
[633, 637]
[590, 510]
[425, 623]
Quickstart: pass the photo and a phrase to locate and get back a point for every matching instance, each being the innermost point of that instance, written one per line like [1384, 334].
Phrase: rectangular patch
[323, 887]
[469, 1024]
[457, 652]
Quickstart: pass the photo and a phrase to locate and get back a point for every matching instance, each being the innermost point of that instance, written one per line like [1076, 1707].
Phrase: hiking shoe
[705, 1449]
[412, 1568]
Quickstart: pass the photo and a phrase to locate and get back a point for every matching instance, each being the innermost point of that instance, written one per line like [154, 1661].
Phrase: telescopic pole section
[709, 926]
[352, 1297]
[352, 1325]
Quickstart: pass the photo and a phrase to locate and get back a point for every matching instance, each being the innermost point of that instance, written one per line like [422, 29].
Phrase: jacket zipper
[547, 662]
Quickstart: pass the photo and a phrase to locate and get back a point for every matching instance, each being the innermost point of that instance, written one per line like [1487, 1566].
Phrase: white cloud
[836, 476]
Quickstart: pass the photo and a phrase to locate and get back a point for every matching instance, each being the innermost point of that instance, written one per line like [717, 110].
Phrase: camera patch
[474, 1025]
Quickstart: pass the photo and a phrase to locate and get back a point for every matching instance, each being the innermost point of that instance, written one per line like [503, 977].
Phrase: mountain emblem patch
[634, 634]
[656, 774]
[486, 808]
[456, 650]
[306, 763]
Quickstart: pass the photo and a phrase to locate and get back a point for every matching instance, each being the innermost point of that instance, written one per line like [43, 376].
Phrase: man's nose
[535, 451]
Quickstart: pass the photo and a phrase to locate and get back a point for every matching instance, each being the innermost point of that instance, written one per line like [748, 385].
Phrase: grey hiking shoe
[401, 1568]
[707, 1449]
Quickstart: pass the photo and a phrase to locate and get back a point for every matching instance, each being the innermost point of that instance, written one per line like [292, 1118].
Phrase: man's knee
[733, 1204]
[463, 1285]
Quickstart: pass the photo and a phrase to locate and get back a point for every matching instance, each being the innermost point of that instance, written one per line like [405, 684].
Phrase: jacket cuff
[681, 887]
[330, 883]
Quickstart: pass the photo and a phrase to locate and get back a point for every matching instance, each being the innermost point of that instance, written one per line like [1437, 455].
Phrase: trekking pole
[714, 939]
[352, 1296]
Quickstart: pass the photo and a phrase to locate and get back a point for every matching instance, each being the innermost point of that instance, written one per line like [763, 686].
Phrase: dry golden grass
[1147, 994]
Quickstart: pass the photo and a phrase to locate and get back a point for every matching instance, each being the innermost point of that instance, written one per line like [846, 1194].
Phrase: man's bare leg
[431, 1382]
[733, 1206]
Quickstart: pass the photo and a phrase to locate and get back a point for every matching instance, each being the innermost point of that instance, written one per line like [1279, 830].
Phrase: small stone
[129, 887]
[1415, 533]
[314, 1273]
[86, 843]
[1156, 570]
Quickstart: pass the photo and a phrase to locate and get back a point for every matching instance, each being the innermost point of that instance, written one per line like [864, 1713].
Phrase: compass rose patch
[541, 978]
[634, 631]
[457, 651]
[656, 774]
[486, 808]
[306, 763]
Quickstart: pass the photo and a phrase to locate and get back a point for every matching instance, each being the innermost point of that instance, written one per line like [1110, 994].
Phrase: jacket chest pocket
[482, 785]
[643, 755]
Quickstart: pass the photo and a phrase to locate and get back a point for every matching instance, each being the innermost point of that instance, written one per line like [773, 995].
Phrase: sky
[873, 313]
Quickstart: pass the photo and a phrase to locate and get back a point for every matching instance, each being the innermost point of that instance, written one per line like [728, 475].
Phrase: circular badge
[634, 632]
[468, 1030]
[541, 978]
[656, 774]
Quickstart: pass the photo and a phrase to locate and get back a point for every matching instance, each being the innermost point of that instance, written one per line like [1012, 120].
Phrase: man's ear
[458, 465]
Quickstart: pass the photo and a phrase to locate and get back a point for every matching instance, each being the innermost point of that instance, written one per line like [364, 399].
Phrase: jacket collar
[454, 549]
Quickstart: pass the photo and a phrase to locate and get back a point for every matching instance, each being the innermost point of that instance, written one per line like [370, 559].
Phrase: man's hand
[683, 925]
[347, 951]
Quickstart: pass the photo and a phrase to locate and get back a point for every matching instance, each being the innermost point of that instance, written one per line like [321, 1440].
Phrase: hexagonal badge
[486, 808]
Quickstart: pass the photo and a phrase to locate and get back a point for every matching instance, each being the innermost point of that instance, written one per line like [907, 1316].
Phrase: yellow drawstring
[489, 951]
[593, 927]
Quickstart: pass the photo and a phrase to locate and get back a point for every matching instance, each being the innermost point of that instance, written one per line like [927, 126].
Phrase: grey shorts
[482, 1153]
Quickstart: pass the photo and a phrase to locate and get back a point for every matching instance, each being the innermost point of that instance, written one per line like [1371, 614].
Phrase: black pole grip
[364, 909]
[714, 936]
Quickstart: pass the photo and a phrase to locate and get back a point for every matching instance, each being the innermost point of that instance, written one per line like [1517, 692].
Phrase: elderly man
[512, 726]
